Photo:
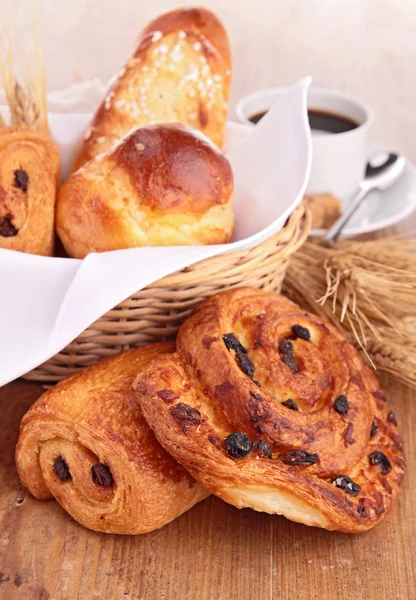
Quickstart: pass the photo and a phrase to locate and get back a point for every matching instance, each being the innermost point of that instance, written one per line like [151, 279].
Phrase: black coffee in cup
[322, 121]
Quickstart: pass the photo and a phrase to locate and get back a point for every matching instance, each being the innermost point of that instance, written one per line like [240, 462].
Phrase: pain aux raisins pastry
[269, 407]
[180, 73]
[86, 443]
[162, 185]
[29, 175]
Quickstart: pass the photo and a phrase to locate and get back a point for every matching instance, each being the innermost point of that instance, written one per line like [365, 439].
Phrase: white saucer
[382, 208]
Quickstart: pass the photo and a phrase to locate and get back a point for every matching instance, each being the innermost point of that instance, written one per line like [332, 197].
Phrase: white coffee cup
[339, 159]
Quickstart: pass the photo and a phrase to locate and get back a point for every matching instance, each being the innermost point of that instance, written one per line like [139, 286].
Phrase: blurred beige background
[364, 47]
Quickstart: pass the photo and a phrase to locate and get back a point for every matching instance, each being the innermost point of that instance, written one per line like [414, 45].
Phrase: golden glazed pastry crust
[93, 418]
[270, 407]
[29, 176]
[163, 185]
[180, 73]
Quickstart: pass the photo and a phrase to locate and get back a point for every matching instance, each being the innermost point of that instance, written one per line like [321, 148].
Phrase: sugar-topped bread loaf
[180, 73]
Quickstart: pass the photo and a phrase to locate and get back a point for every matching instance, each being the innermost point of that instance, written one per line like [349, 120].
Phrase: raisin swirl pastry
[29, 175]
[86, 443]
[269, 407]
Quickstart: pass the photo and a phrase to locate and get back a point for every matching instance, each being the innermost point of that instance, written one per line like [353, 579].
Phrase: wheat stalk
[27, 100]
[368, 291]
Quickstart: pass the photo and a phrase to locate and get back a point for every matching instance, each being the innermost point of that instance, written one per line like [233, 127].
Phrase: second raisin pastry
[180, 73]
[86, 443]
[162, 185]
[269, 407]
[29, 175]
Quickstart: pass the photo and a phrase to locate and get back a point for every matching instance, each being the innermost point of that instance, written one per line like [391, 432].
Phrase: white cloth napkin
[47, 302]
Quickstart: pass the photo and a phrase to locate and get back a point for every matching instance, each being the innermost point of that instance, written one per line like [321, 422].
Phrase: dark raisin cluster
[301, 332]
[348, 485]
[101, 475]
[7, 229]
[232, 343]
[243, 361]
[381, 460]
[286, 355]
[21, 180]
[341, 405]
[298, 457]
[238, 445]
[60, 467]
[245, 365]
[289, 403]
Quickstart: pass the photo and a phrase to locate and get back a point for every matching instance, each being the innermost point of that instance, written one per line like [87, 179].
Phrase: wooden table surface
[212, 552]
[215, 551]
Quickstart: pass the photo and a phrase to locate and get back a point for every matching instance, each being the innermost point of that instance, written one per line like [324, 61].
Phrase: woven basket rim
[290, 237]
[156, 311]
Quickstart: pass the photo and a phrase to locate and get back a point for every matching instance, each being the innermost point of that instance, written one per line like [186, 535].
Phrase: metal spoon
[383, 169]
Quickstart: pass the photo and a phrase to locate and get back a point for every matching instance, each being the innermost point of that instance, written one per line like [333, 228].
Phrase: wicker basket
[156, 312]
